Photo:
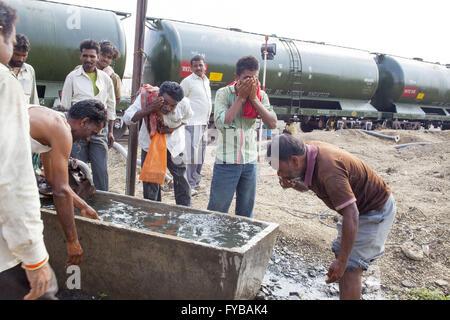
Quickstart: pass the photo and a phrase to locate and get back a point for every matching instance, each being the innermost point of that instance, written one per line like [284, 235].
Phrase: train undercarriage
[310, 123]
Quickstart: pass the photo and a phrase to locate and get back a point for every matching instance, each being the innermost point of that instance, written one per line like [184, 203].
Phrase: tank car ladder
[295, 72]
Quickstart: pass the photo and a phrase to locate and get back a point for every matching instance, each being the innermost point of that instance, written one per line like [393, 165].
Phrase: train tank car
[317, 84]
[305, 80]
[415, 92]
[55, 32]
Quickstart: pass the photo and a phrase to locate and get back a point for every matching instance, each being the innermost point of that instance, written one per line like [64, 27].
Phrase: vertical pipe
[141, 12]
[265, 65]
[263, 88]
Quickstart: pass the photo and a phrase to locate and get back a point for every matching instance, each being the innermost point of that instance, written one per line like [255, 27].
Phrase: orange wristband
[35, 266]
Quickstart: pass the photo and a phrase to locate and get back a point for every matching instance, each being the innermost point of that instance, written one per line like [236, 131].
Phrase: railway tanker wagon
[308, 82]
[55, 32]
[416, 93]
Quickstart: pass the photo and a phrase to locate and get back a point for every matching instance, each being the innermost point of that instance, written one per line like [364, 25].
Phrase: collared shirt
[21, 227]
[237, 140]
[78, 86]
[198, 90]
[27, 78]
[176, 140]
[340, 179]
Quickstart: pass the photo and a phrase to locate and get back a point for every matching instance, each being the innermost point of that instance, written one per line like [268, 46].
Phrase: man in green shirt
[89, 82]
[235, 111]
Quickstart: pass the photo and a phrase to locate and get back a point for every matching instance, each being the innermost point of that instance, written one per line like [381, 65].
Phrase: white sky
[407, 28]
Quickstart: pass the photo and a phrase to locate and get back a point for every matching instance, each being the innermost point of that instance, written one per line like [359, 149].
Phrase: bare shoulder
[49, 125]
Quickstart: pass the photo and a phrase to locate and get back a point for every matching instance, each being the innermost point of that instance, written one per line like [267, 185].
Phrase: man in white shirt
[89, 82]
[175, 111]
[24, 268]
[23, 71]
[196, 87]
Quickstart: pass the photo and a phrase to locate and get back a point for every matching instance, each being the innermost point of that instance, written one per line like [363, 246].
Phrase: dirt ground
[417, 250]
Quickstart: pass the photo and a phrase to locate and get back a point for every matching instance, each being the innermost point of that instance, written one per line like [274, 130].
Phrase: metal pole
[265, 65]
[141, 12]
[263, 88]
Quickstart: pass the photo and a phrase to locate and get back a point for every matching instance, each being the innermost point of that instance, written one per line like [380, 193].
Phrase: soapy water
[213, 229]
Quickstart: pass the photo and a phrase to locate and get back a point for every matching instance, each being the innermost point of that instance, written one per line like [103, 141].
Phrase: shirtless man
[52, 134]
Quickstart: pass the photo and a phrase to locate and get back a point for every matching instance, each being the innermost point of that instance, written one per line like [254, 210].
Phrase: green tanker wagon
[55, 32]
[317, 84]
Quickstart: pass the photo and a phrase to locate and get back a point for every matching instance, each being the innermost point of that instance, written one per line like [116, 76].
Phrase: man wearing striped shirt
[235, 111]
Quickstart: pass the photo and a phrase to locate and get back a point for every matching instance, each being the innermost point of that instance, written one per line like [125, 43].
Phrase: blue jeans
[230, 178]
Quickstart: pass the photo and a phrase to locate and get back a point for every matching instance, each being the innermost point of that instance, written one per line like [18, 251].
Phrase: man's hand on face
[293, 183]
[155, 106]
[244, 88]
[299, 185]
[254, 89]
[286, 183]
[75, 253]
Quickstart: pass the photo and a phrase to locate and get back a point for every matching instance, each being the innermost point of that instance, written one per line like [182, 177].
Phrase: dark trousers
[177, 169]
[14, 285]
[96, 152]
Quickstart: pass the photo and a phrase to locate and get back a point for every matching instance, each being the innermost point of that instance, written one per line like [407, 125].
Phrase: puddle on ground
[289, 277]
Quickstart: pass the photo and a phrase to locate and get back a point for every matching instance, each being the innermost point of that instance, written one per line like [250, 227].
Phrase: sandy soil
[418, 175]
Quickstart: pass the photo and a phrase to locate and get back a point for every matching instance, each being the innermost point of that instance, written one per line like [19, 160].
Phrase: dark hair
[173, 89]
[22, 43]
[197, 58]
[90, 44]
[287, 145]
[107, 46]
[246, 63]
[8, 18]
[89, 108]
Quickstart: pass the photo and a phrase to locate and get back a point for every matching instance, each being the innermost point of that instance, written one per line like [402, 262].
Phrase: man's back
[48, 126]
[340, 176]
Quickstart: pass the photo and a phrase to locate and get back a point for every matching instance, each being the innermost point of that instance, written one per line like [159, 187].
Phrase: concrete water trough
[152, 250]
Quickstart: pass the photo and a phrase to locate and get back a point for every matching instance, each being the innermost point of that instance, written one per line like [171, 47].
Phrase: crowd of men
[181, 113]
